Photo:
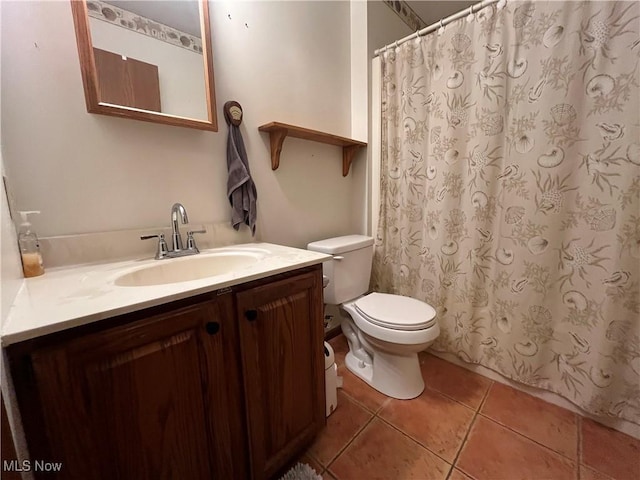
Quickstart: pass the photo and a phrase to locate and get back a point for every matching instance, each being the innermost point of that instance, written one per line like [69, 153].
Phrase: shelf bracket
[276, 138]
[347, 157]
[279, 131]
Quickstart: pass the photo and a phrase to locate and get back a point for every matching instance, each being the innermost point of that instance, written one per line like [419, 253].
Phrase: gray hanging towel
[240, 187]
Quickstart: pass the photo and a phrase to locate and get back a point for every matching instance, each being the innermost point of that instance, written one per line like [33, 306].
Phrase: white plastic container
[331, 380]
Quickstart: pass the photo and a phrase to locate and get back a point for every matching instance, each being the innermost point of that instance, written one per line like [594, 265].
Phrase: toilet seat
[396, 312]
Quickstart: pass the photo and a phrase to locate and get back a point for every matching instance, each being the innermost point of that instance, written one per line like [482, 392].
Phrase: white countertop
[72, 296]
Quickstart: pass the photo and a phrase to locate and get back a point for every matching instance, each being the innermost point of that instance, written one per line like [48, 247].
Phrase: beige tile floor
[463, 426]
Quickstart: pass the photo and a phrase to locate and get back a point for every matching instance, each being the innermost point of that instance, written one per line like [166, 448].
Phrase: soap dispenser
[29, 247]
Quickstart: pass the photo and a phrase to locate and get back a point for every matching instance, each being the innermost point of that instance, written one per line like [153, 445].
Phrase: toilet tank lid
[343, 244]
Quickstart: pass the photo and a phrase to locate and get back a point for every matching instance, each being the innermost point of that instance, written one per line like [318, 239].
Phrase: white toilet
[385, 332]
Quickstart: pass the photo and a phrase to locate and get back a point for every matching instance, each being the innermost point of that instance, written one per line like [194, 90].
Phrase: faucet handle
[162, 250]
[191, 242]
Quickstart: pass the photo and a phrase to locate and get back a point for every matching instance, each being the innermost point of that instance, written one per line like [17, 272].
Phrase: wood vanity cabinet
[219, 386]
[148, 399]
[281, 338]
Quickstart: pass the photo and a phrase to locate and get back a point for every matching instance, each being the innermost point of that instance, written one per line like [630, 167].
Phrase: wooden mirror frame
[90, 77]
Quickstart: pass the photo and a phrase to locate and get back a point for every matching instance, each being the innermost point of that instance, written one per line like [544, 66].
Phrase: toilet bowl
[385, 332]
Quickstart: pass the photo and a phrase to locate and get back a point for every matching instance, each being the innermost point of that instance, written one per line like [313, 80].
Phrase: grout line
[464, 440]
[384, 404]
[486, 395]
[462, 444]
[350, 439]
[475, 413]
[355, 400]
[448, 462]
[426, 384]
[579, 460]
[468, 432]
[546, 447]
[312, 459]
[450, 397]
[491, 382]
[333, 459]
[511, 429]
[448, 477]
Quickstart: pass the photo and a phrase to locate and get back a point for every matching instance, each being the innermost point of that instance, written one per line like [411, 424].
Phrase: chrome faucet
[177, 208]
[178, 214]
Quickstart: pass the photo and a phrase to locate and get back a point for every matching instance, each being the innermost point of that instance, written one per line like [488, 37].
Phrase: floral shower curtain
[510, 194]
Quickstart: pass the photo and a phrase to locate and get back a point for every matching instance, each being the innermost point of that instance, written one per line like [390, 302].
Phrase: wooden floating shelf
[279, 131]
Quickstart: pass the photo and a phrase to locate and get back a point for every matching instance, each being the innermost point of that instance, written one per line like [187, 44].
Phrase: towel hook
[233, 113]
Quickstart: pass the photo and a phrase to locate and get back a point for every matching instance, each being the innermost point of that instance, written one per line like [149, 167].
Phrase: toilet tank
[350, 269]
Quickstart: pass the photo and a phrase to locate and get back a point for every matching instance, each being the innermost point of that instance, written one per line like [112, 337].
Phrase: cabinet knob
[251, 315]
[212, 328]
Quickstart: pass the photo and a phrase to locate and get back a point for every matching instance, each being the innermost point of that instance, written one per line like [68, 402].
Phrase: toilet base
[397, 376]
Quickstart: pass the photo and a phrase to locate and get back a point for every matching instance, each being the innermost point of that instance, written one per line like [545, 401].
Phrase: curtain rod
[445, 21]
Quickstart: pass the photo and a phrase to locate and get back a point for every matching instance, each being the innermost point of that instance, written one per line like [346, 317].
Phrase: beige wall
[10, 282]
[379, 25]
[89, 173]
[383, 26]
[10, 265]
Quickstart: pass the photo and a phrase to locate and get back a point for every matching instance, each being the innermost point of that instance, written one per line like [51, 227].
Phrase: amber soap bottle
[29, 247]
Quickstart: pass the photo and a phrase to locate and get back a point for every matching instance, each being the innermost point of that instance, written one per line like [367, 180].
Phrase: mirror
[148, 60]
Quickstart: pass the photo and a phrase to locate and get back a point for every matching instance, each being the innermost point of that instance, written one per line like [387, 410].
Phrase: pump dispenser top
[25, 218]
[29, 246]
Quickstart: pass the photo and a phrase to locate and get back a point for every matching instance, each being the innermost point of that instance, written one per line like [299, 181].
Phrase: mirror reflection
[149, 55]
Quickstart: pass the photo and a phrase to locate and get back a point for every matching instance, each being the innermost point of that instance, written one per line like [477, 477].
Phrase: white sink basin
[189, 268]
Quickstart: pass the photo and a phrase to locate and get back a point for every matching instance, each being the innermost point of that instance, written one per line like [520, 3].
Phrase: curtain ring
[418, 37]
[470, 16]
[396, 44]
[441, 29]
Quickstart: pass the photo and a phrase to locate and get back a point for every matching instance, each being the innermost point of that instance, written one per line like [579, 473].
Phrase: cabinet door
[281, 343]
[154, 399]
[8, 447]
[127, 81]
